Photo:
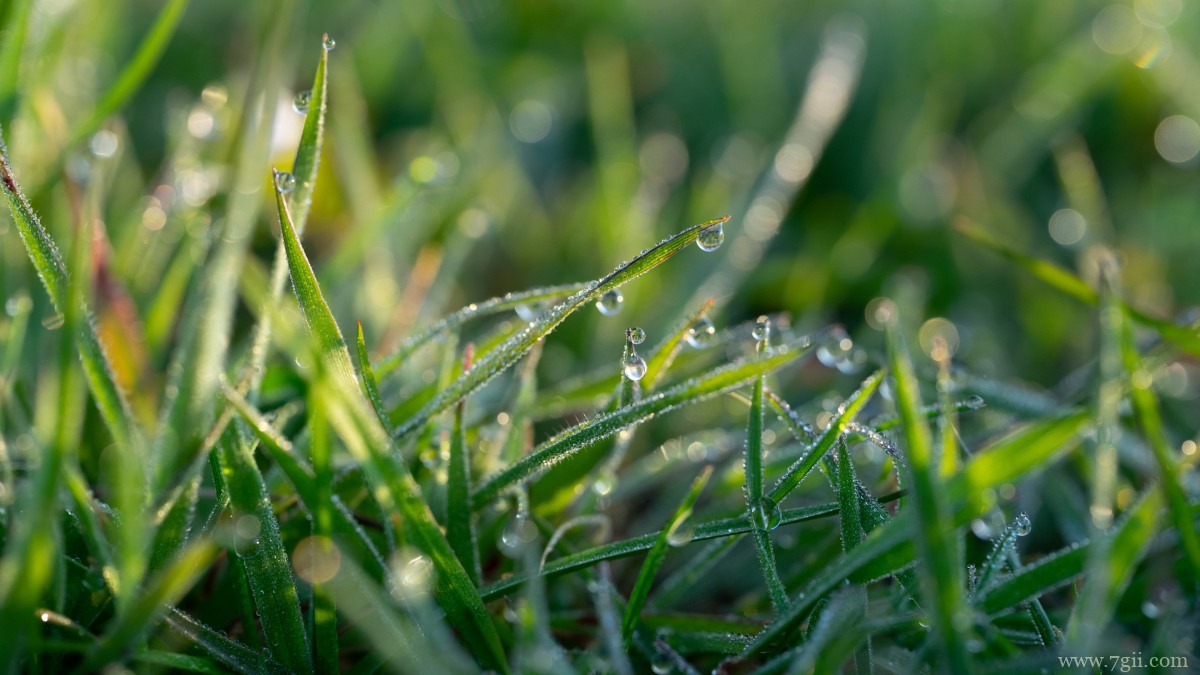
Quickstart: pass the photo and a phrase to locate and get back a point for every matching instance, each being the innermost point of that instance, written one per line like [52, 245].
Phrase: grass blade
[713, 383]
[852, 536]
[846, 414]
[658, 553]
[500, 359]
[664, 354]
[759, 510]
[370, 385]
[938, 537]
[460, 531]
[230, 653]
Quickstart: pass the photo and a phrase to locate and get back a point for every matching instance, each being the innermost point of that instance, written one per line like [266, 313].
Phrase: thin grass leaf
[1183, 337]
[370, 385]
[758, 510]
[322, 610]
[664, 353]
[796, 473]
[50, 269]
[163, 590]
[656, 556]
[937, 537]
[460, 530]
[713, 383]
[401, 499]
[230, 653]
[713, 529]
[508, 301]
[265, 561]
[852, 536]
[15, 30]
[500, 359]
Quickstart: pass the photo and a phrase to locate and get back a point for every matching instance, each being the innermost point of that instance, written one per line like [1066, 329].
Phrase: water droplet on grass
[634, 366]
[302, 101]
[701, 333]
[285, 182]
[766, 513]
[636, 335]
[517, 535]
[1023, 525]
[661, 664]
[605, 483]
[610, 302]
[328, 43]
[682, 533]
[762, 329]
[711, 237]
[54, 321]
[530, 311]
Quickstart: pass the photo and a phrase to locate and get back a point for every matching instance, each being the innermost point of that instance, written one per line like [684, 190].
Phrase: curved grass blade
[400, 497]
[472, 311]
[937, 537]
[846, 414]
[50, 268]
[230, 653]
[164, 590]
[656, 556]
[713, 529]
[500, 359]
[713, 383]
[1187, 339]
[758, 510]
[265, 563]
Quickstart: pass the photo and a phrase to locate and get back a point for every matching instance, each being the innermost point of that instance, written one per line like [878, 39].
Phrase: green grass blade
[50, 268]
[400, 497]
[460, 530]
[936, 534]
[758, 510]
[508, 301]
[796, 473]
[323, 612]
[370, 385]
[713, 383]
[316, 311]
[852, 536]
[266, 565]
[664, 354]
[16, 28]
[500, 359]
[163, 590]
[230, 653]
[713, 529]
[656, 556]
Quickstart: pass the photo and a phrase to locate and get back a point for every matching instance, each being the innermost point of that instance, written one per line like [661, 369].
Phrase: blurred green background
[479, 147]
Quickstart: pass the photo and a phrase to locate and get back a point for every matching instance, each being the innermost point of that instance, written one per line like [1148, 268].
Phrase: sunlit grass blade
[264, 559]
[937, 536]
[796, 473]
[498, 360]
[162, 591]
[658, 553]
[370, 384]
[713, 529]
[1183, 337]
[713, 383]
[758, 510]
[400, 497]
[506, 302]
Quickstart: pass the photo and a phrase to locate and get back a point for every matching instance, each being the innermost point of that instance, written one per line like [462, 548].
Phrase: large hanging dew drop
[302, 101]
[762, 329]
[766, 513]
[681, 534]
[634, 367]
[701, 333]
[285, 181]
[1023, 525]
[661, 664]
[610, 303]
[518, 534]
[328, 43]
[636, 335]
[711, 237]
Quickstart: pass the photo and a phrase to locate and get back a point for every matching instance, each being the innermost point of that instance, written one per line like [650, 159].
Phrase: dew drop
[701, 333]
[285, 182]
[681, 534]
[661, 664]
[837, 348]
[530, 311]
[518, 534]
[762, 329]
[634, 366]
[302, 101]
[328, 43]
[1023, 524]
[605, 483]
[610, 302]
[54, 321]
[711, 237]
[767, 513]
[974, 402]
[636, 335]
